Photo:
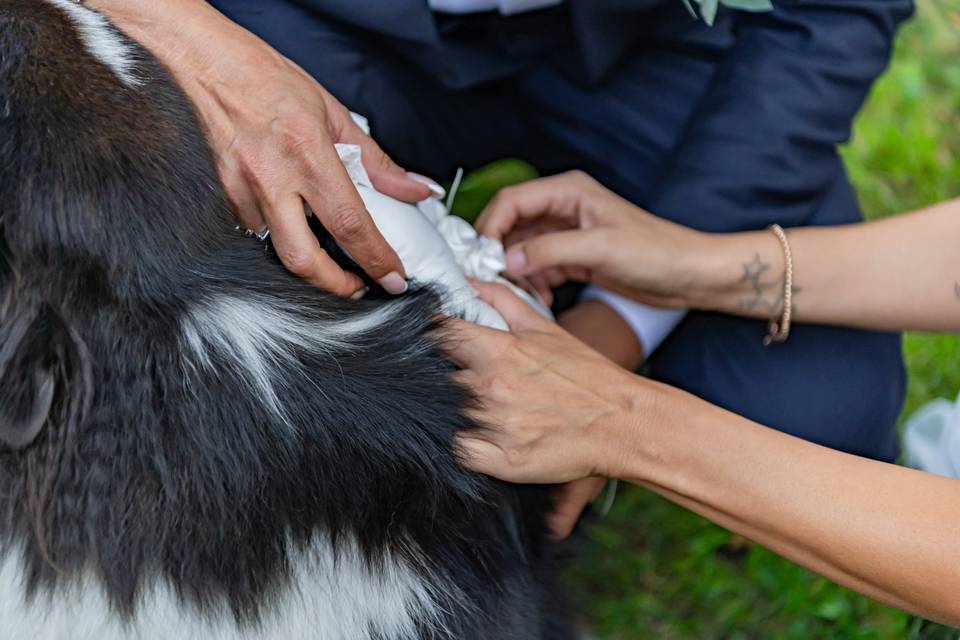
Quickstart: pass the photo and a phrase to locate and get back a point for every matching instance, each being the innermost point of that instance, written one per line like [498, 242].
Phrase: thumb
[387, 176]
[575, 248]
[479, 455]
[517, 313]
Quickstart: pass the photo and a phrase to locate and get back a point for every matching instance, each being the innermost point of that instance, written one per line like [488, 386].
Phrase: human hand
[552, 406]
[603, 330]
[569, 227]
[569, 502]
[272, 129]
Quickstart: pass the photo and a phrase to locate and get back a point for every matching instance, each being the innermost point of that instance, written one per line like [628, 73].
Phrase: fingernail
[438, 192]
[357, 295]
[394, 283]
[516, 259]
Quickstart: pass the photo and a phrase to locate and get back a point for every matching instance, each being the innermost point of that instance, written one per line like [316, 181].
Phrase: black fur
[118, 452]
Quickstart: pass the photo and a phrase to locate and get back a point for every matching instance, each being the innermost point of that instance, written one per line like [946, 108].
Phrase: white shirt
[505, 7]
[649, 324]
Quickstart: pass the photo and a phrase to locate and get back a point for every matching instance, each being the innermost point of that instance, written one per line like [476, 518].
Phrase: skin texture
[272, 128]
[591, 321]
[890, 274]
[565, 413]
[569, 227]
[602, 329]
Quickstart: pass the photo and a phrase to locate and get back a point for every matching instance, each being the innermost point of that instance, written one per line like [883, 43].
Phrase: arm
[562, 412]
[272, 129]
[882, 530]
[892, 274]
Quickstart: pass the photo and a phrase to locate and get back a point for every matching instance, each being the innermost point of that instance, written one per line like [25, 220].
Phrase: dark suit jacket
[787, 84]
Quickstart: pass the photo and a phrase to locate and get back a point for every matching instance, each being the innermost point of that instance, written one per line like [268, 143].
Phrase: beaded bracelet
[779, 331]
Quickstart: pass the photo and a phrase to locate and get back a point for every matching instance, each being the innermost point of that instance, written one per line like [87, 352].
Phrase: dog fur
[193, 442]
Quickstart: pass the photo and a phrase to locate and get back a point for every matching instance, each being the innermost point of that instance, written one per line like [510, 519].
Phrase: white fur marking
[262, 336]
[332, 596]
[102, 40]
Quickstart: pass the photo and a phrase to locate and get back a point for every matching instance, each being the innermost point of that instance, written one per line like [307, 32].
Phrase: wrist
[632, 445]
[652, 442]
[141, 15]
[172, 30]
[736, 273]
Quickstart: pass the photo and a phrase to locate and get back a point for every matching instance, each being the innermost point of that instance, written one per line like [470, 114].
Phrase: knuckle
[498, 387]
[297, 131]
[376, 265]
[346, 222]
[496, 202]
[251, 168]
[297, 261]
[377, 157]
[487, 387]
[605, 239]
[581, 180]
[502, 198]
[509, 192]
[517, 456]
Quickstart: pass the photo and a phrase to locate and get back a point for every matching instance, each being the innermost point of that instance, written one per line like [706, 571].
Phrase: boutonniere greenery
[708, 8]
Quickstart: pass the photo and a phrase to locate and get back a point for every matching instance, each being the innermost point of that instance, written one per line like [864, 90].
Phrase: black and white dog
[193, 443]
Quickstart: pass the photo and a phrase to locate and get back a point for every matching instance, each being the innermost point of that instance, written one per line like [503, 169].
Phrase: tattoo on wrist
[766, 289]
[956, 290]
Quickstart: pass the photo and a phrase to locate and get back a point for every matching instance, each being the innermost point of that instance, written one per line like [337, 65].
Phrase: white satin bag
[437, 248]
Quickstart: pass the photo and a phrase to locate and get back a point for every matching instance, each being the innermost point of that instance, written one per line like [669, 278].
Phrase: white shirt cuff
[649, 324]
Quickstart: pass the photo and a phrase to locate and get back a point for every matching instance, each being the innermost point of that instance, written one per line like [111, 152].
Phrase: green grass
[654, 570]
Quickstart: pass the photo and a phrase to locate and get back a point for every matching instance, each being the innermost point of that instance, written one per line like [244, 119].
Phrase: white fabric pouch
[435, 247]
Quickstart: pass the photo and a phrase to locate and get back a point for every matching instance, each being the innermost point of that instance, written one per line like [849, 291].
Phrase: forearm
[897, 273]
[886, 531]
[149, 16]
[602, 328]
[180, 32]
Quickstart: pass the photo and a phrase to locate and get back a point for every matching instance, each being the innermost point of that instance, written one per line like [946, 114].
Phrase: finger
[543, 287]
[338, 206]
[300, 252]
[571, 499]
[536, 288]
[517, 313]
[387, 176]
[469, 345]
[481, 456]
[547, 197]
[555, 276]
[467, 378]
[243, 201]
[576, 248]
[578, 274]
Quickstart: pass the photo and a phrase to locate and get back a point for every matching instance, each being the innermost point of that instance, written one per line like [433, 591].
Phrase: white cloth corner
[931, 439]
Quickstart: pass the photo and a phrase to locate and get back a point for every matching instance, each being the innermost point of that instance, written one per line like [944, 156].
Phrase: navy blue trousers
[838, 387]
